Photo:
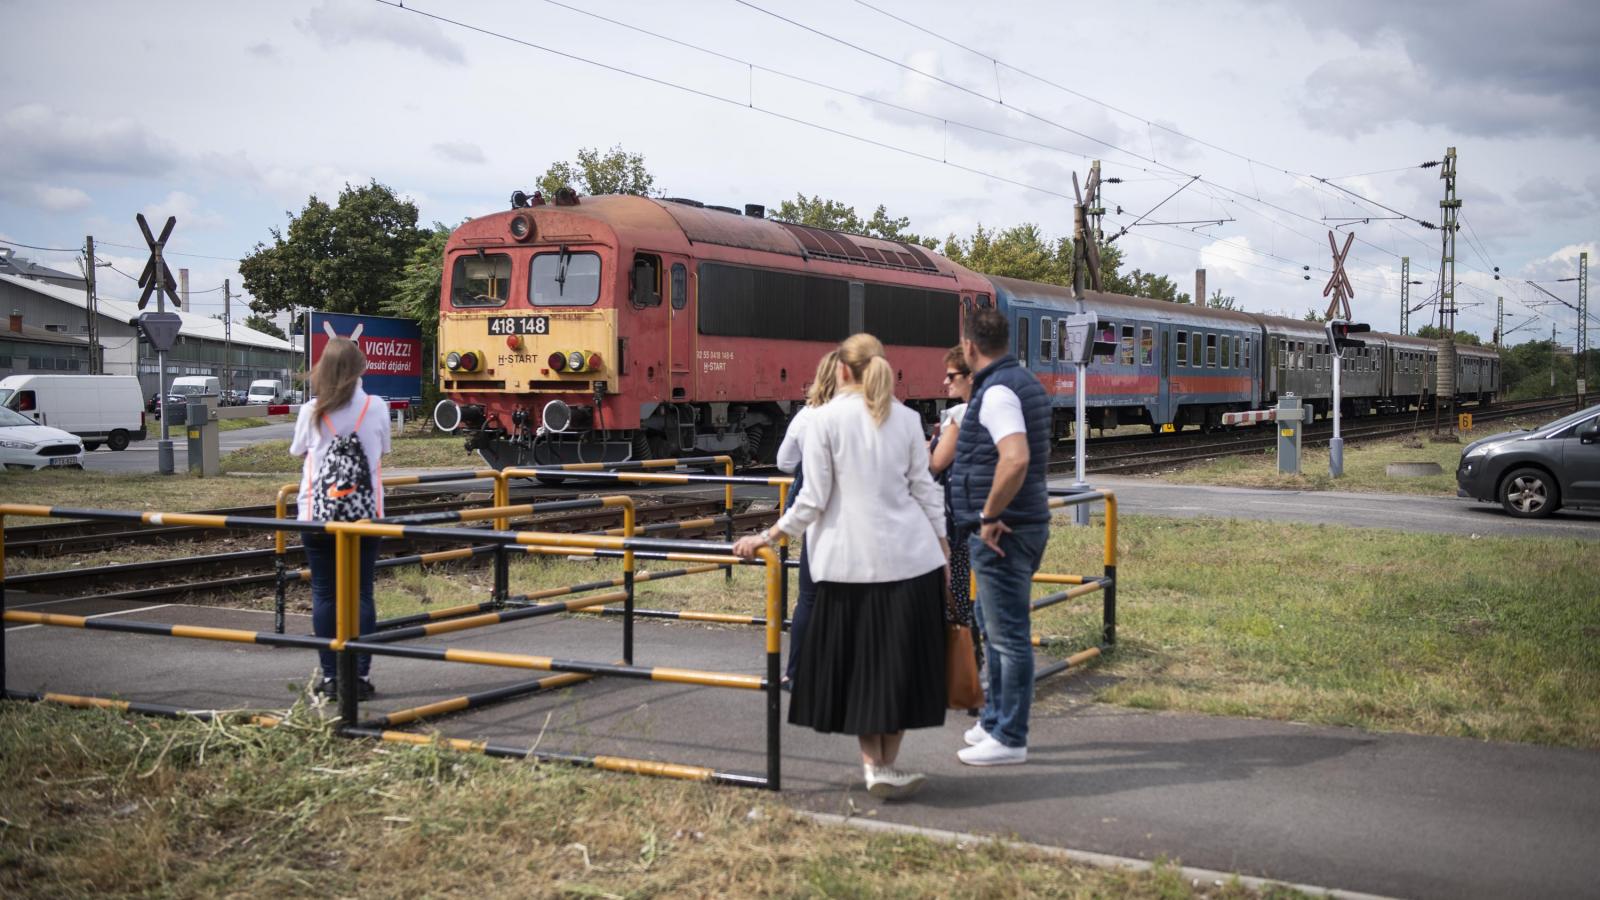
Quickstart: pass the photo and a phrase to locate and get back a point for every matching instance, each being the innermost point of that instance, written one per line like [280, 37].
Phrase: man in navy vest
[1000, 498]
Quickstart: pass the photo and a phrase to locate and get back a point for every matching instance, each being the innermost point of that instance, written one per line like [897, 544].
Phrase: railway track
[1261, 439]
[234, 570]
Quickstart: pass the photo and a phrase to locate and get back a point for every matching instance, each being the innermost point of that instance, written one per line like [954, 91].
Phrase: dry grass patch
[96, 804]
[412, 451]
[111, 490]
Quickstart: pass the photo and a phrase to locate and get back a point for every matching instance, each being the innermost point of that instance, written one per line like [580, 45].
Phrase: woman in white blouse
[823, 386]
[873, 660]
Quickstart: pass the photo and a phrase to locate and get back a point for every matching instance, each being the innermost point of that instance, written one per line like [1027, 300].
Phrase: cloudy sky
[1296, 117]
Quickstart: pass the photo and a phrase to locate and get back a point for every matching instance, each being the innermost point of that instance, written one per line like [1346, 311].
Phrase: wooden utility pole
[91, 305]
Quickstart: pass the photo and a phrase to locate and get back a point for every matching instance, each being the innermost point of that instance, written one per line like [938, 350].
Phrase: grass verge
[115, 490]
[409, 452]
[98, 804]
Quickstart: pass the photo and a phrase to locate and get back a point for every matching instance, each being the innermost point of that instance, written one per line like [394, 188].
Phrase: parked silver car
[1534, 473]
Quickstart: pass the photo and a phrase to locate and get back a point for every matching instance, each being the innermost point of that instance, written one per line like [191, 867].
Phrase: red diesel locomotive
[619, 327]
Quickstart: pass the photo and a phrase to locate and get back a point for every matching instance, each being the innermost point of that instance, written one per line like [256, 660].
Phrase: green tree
[345, 258]
[1218, 300]
[1434, 333]
[1140, 283]
[264, 325]
[416, 295]
[1314, 315]
[615, 171]
[836, 216]
[1021, 251]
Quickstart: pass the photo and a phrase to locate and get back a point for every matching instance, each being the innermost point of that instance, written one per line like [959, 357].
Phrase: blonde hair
[862, 354]
[337, 373]
[826, 382]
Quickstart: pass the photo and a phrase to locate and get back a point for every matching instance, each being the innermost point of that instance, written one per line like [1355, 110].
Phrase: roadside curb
[1195, 876]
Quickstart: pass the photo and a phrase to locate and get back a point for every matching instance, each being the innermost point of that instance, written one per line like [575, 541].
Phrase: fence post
[2, 606]
[727, 510]
[775, 578]
[347, 562]
[1108, 628]
[628, 520]
[783, 554]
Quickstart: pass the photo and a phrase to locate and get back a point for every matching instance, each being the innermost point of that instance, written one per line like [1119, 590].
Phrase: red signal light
[514, 341]
[558, 361]
[594, 362]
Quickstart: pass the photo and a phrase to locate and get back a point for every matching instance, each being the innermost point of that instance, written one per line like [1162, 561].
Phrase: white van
[99, 409]
[265, 390]
[184, 385]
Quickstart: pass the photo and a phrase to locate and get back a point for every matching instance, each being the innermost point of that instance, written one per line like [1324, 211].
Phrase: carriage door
[681, 336]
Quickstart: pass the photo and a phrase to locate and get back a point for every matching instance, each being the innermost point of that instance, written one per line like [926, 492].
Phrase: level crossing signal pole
[160, 328]
[1086, 261]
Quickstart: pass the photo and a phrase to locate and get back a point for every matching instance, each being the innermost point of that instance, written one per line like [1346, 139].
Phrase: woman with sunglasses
[941, 453]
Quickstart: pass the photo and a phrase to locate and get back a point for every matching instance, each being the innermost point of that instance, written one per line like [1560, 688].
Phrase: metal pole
[164, 465]
[1080, 378]
[90, 305]
[227, 335]
[1336, 446]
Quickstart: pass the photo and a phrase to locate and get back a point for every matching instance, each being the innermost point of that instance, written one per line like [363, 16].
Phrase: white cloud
[48, 197]
[1563, 263]
[41, 139]
[185, 207]
[459, 152]
[338, 24]
[1226, 257]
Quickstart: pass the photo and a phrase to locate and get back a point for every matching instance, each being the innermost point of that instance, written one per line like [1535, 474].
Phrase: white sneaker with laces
[975, 735]
[991, 752]
[889, 783]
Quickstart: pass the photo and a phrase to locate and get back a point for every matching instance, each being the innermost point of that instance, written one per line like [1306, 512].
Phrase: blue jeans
[325, 611]
[1004, 589]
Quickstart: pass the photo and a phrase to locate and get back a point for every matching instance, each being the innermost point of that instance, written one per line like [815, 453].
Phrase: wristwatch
[988, 520]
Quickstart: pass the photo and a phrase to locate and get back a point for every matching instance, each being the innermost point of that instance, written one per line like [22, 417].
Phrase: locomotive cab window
[564, 279]
[644, 281]
[480, 280]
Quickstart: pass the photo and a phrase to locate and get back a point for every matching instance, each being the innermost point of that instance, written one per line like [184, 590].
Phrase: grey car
[1534, 473]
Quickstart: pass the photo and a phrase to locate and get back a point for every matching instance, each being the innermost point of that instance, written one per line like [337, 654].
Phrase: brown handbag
[962, 688]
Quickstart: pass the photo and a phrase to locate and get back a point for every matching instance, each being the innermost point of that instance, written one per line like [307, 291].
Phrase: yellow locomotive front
[528, 343]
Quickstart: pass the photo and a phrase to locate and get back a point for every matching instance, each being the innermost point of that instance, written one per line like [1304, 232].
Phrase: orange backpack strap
[364, 407]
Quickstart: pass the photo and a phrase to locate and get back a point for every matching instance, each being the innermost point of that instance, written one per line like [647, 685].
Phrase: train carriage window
[480, 280]
[1223, 343]
[1238, 351]
[1247, 342]
[1147, 347]
[564, 279]
[1126, 356]
[1047, 338]
[1022, 340]
[1211, 351]
[913, 317]
[680, 286]
[1182, 345]
[1195, 352]
[1108, 335]
[1061, 339]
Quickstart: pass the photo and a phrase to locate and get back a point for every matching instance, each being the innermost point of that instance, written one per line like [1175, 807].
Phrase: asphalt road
[140, 457]
[1443, 515]
[1382, 813]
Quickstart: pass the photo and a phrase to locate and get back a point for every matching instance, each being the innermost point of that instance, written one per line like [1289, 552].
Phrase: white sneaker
[889, 783]
[975, 735]
[993, 753]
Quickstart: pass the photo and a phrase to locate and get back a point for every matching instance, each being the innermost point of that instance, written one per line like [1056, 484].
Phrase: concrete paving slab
[1390, 814]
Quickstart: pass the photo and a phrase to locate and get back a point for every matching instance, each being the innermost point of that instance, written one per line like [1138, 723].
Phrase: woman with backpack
[342, 432]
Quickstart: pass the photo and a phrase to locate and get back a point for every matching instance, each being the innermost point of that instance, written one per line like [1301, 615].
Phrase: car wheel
[91, 446]
[118, 440]
[1529, 494]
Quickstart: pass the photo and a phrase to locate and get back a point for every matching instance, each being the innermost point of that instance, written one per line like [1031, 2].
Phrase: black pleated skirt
[873, 660]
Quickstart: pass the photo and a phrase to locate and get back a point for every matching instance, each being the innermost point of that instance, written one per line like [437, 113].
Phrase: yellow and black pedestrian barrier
[347, 643]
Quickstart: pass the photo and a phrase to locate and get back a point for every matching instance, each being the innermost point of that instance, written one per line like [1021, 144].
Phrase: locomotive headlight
[521, 227]
[575, 360]
[471, 361]
[452, 361]
[558, 361]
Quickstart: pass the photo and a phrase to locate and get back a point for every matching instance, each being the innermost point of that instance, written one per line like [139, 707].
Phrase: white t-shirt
[1001, 414]
[794, 442]
[311, 440]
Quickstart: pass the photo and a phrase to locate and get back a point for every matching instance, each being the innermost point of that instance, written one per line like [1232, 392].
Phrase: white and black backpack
[342, 490]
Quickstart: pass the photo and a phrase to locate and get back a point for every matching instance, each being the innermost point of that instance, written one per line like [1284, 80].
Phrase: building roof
[195, 326]
[35, 335]
[12, 264]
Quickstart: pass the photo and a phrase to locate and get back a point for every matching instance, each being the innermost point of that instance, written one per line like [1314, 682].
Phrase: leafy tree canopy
[836, 216]
[1218, 300]
[615, 171]
[417, 294]
[1434, 333]
[264, 325]
[344, 258]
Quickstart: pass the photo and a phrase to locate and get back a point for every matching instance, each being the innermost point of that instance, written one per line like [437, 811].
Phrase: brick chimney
[1199, 287]
[16, 321]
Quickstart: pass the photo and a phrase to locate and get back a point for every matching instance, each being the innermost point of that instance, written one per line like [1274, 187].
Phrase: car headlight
[18, 445]
[1476, 452]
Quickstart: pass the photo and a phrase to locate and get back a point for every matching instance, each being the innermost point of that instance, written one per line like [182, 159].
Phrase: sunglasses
[952, 376]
